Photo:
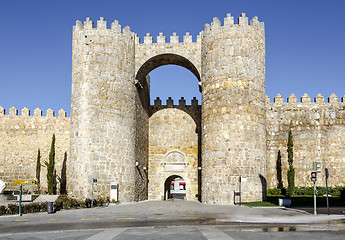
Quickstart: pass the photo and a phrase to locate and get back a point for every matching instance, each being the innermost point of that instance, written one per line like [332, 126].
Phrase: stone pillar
[233, 110]
[102, 111]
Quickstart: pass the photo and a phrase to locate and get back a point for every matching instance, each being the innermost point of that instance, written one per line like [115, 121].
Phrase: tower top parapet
[229, 22]
[174, 38]
[101, 25]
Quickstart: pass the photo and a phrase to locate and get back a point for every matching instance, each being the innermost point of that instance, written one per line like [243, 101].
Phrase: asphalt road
[216, 232]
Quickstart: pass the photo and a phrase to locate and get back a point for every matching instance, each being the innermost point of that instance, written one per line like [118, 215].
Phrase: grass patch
[259, 204]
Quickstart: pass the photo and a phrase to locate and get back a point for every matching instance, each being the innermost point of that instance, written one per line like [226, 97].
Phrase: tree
[38, 170]
[291, 171]
[50, 167]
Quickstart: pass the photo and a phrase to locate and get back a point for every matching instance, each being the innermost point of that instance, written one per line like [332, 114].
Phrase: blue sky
[305, 45]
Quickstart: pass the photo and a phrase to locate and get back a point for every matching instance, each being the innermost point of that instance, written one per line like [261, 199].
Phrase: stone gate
[115, 135]
[110, 107]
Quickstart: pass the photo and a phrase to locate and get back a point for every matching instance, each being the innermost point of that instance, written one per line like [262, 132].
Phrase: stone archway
[165, 59]
[149, 57]
[173, 151]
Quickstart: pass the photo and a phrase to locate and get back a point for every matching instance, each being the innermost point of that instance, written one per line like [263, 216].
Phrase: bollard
[50, 209]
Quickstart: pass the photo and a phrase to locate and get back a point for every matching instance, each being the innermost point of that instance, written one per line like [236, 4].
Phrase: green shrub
[43, 206]
[82, 203]
[33, 207]
[58, 203]
[65, 202]
[335, 191]
[320, 191]
[302, 191]
[3, 210]
[13, 208]
[309, 191]
[70, 203]
[274, 191]
[100, 201]
[342, 194]
[25, 208]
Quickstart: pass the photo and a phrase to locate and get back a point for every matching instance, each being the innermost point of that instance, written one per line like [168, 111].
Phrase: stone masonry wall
[233, 110]
[20, 138]
[318, 130]
[173, 150]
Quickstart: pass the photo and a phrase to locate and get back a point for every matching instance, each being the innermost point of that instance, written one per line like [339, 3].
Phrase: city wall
[20, 138]
[318, 130]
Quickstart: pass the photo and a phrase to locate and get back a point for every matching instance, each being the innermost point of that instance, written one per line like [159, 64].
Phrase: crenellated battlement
[229, 22]
[101, 25]
[193, 110]
[148, 39]
[116, 28]
[170, 102]
[319, 99]
[174, 38]
[25, 112]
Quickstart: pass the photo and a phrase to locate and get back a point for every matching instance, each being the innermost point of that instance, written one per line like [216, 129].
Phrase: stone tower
[110, 107]
[103, 121]
[233, 110]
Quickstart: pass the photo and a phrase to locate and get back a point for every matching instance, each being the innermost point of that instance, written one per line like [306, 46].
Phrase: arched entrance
[175, 188]
[172, 133]
[173, 152]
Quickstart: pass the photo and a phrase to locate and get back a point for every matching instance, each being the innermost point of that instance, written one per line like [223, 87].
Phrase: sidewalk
[322, 210]
[176, 211]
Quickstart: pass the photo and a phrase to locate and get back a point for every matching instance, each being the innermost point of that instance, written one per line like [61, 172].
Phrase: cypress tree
[38, 170]
[50, 167]
[291, 171]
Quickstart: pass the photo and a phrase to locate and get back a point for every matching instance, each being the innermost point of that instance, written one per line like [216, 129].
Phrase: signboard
[24, 182]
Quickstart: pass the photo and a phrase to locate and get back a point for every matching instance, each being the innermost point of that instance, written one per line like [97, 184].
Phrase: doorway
[175, 188]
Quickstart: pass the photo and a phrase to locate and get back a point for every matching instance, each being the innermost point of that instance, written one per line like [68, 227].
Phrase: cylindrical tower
[102, 111]
[233, 110]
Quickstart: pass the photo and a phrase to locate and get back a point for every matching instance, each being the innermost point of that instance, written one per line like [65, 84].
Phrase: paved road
[172, 220]
[188, 232]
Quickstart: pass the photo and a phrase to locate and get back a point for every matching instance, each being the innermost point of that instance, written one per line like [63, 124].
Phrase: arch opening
[175, 188]
[165, 59]
[165, 133]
